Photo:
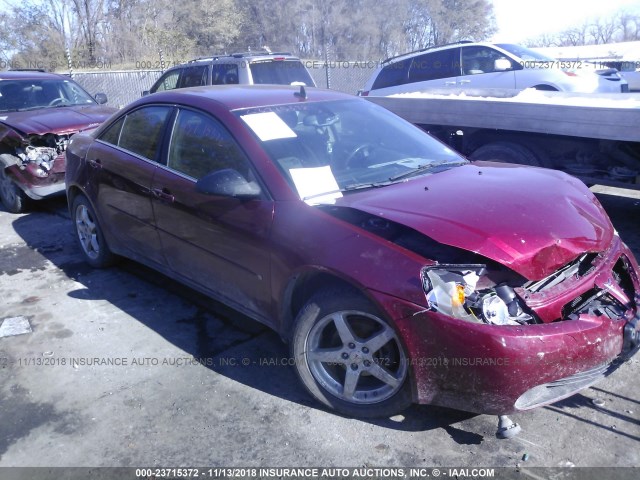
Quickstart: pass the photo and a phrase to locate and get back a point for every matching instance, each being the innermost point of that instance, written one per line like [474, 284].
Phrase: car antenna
[302, 93]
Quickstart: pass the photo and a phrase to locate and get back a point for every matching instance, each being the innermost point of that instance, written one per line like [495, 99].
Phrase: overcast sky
[522, 19]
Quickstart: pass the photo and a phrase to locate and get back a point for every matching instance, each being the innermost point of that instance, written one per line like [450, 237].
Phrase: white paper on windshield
[268, 126]
[316, 185]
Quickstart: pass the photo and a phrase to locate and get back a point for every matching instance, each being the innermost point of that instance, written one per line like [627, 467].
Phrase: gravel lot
[241, 405]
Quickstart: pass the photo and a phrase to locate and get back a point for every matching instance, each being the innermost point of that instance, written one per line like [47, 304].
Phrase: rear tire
[93, 246]
[507, 152]
[349, 358]
[13, 199]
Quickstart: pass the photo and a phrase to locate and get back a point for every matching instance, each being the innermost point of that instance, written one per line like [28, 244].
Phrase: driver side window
[478, 60]
[168, 82]
[200, 145]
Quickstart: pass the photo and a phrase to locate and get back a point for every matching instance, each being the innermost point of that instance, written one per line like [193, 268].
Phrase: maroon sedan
[398, 271]
[38, 114]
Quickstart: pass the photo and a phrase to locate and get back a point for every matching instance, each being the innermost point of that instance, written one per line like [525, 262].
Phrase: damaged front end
[32, 167]
[538, 341]
[42, 153]
[468, 293]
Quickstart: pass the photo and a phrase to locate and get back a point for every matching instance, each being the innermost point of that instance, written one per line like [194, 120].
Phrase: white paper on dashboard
[316, 185]
[268, 126]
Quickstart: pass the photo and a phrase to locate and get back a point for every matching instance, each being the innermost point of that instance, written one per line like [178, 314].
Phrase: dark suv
[249, 68]
[38, 113]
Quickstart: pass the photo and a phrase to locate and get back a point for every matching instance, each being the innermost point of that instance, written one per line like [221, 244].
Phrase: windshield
[29, 94]
[524, 53]
[280, 72]
[337, 146]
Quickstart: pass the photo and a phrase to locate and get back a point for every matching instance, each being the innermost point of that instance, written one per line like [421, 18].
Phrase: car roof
[30, 74]
[466, 43]
[233, 97]
[237, 58]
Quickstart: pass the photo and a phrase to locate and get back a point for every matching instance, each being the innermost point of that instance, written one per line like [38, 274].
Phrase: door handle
[97, 163]
[464, 81]
[164, 195]
[450, 83]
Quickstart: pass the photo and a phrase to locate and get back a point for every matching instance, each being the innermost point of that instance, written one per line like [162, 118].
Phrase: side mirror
[145, 93]
[101, 98]
[502, 64]
[227, 183]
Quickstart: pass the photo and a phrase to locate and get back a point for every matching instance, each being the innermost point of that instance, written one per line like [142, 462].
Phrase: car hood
[56, 120]
[532, 220]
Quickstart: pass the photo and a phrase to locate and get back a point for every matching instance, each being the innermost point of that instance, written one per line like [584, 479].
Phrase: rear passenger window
[435, 65]
[224, 74]
[142, 131]
[396, 73]
[194, 76]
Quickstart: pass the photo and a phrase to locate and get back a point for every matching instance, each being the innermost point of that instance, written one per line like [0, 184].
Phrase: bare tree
[436, 22]
[127, 31]
[629, 26]
[623, 26]
[90, 14]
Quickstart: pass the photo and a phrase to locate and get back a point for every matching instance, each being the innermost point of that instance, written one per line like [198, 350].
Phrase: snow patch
[531, 95]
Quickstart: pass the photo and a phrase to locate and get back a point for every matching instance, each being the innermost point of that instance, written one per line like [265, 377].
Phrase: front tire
[349, 358]
[13, 199]
[93, 246]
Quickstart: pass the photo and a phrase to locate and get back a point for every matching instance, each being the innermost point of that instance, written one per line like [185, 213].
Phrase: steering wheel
[57, 101]
[361, 152]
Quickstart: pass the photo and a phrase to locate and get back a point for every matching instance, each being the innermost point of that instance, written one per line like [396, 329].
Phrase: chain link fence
[348, 77]
[124, 86]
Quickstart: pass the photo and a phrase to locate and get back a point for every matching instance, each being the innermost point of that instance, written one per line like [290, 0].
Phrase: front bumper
[36, 187]
[505, 369]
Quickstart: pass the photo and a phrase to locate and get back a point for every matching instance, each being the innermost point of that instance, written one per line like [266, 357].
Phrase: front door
[219, 242]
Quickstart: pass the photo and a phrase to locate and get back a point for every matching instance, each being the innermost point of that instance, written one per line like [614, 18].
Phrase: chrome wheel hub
[87, 232]
[356, 357]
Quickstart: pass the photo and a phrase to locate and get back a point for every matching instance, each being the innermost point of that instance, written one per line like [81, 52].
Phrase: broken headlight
[453, 290]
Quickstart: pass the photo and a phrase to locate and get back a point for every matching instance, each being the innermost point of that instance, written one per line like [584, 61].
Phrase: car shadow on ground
[213, 334]
[616, 420]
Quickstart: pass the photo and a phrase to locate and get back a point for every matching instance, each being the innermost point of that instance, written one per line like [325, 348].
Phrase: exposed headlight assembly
[452, 290]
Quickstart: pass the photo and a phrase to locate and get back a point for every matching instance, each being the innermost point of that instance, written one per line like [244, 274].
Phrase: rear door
[224, 74]
[219, 243]
[194, 76]
[439, 69]
[122, 163]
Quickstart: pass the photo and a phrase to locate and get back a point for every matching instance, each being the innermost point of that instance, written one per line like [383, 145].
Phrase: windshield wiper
[360, 186]
[426, 167]
[27, 109]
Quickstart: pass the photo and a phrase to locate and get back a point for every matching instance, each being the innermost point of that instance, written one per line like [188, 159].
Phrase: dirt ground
[60, 405]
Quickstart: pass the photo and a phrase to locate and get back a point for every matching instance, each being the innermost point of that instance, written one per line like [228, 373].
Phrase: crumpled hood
[532, 220]
[60, 120]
